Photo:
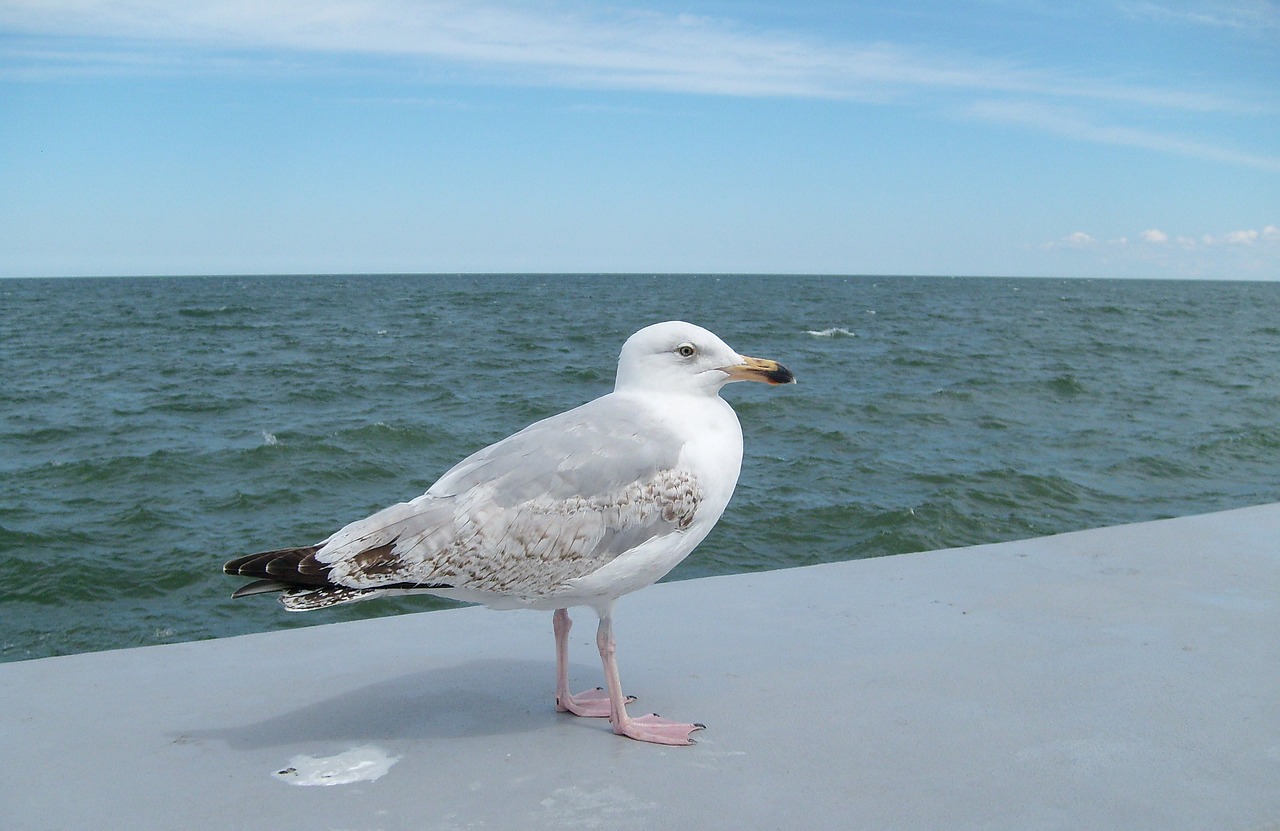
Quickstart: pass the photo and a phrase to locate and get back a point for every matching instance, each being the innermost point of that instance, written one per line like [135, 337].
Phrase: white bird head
[679, 357]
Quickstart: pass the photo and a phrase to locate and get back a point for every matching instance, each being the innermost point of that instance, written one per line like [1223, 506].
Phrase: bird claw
[657, 730]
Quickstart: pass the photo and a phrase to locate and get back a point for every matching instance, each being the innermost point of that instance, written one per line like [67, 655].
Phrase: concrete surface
[1120, 678]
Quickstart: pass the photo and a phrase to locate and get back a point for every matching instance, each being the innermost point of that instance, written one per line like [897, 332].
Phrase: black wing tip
[235, 566]
[284, 568]
[259, 587]
[304, 582]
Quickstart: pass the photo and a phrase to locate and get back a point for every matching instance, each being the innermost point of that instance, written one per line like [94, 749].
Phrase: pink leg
[648, 728]
[592, 703]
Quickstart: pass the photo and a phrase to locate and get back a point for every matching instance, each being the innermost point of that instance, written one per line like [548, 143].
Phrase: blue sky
[1101, 138]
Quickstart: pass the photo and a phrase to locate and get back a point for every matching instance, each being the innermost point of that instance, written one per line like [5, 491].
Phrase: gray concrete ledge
[1119, 678]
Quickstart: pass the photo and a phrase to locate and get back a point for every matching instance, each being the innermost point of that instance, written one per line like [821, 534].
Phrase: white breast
[713, 453]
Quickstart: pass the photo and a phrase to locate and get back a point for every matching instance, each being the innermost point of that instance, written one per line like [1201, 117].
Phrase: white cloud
[582, 44]
[1269, 234]
[1250, 16]
[578, 44]
[1073, 124]
[1240, 237]
[1076, 239]
[1247, 236]
[1246, 253]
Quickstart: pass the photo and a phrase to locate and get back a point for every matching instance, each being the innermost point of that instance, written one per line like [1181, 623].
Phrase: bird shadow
[477, 698]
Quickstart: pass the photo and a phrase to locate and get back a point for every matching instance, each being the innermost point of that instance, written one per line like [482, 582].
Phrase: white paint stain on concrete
[359, 764]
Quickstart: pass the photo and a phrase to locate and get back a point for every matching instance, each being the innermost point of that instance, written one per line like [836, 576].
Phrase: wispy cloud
[583, 45]
[592, 46]
[1256, 17]
[1075, 124]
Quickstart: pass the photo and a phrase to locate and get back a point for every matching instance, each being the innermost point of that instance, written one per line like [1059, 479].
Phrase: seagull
[578, 509]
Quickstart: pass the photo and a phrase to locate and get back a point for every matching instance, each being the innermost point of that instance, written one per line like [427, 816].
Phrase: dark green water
[152, 428]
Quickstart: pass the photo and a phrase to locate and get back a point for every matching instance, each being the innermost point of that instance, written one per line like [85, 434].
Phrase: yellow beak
[759, 369]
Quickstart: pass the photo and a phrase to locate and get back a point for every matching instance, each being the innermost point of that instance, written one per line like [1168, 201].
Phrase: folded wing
[520, 518]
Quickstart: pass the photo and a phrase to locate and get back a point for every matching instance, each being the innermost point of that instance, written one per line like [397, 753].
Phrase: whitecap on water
[833, 332]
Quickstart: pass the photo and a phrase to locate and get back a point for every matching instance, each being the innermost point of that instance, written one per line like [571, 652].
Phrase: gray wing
[553, 502]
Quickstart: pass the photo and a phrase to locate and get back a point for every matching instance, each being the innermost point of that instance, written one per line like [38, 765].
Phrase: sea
[152, 428]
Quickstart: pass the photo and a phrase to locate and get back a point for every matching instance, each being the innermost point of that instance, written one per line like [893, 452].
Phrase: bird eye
[686, 350]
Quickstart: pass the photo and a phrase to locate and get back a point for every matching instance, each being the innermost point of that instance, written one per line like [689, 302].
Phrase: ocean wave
[1066, 385]
[833, 332]
[215, 311]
